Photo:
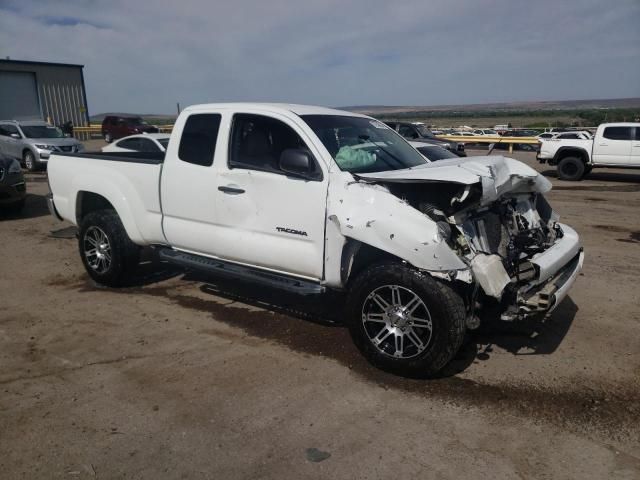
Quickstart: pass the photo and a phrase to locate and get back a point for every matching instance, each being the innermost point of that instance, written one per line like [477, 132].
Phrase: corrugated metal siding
[60, 90]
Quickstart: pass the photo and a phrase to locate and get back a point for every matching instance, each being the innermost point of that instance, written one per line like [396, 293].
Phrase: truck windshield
[363, 145]
[41, 131]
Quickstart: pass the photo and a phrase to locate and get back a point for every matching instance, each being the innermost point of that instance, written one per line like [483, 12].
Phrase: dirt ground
[184, 377]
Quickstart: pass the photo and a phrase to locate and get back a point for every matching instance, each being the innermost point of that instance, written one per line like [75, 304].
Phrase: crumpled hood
[497, 175]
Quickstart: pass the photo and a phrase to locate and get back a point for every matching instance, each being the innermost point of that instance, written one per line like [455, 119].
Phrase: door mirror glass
[297, 162]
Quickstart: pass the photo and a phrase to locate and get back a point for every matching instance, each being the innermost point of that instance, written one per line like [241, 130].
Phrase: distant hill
[547, 105]
[532, 114]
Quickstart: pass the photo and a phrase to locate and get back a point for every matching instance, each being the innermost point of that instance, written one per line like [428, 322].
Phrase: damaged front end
[491, 211]
[519, 254]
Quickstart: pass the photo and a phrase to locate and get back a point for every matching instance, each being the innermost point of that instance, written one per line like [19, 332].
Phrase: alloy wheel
[397, 321]
[97, 249]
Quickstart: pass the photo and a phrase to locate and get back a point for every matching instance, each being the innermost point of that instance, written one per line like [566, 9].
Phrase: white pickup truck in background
[308, 199]
[614, 145]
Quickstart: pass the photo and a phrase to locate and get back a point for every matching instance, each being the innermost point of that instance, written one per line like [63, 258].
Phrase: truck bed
[130, 180]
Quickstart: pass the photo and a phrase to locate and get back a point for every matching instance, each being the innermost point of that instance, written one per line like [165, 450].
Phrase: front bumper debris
[545, 298]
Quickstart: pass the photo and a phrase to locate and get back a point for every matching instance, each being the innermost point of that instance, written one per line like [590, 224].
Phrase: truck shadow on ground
[311, 326]
[314, 324]
[534, 336]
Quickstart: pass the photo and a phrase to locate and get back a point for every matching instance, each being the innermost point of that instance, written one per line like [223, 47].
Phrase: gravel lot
[181, 378]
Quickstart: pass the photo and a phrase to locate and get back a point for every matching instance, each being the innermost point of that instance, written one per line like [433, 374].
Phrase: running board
[228, 269]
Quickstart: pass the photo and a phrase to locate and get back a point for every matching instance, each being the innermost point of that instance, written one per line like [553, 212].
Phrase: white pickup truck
[614, 145]
[309, 199]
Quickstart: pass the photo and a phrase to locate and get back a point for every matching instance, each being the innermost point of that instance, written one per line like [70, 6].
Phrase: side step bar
[233, 270]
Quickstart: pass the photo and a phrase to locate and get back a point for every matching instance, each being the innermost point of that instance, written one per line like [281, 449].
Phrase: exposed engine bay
[503, 228]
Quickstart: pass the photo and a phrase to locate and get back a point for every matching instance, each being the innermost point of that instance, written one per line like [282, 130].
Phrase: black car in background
[13, 191]
[417, 132]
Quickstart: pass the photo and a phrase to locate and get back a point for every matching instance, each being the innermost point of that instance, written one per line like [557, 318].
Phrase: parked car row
[418, 132]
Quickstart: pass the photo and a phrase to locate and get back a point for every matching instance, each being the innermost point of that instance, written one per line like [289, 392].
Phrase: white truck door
[188, 183]
[613, 146]
[267, 218]
[635, 148]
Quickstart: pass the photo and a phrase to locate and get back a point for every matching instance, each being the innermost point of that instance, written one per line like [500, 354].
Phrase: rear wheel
[571, 169]
[404, 321]
[107, 252]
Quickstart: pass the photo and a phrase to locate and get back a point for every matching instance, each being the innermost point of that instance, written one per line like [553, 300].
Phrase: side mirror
[16, 136]
[298, 162]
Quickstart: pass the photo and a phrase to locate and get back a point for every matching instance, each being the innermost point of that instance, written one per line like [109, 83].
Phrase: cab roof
[274, 107]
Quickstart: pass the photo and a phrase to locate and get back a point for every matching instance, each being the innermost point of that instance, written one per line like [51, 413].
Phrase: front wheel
[404, 321]
[30, 161]
[107, 252]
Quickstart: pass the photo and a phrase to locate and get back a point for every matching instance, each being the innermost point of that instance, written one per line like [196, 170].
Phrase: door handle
[231, 190]
[603, 144]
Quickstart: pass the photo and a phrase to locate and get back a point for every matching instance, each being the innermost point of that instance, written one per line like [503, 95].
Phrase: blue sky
[146, 56]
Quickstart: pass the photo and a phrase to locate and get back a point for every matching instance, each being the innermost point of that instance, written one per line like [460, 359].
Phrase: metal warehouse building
[40, 90]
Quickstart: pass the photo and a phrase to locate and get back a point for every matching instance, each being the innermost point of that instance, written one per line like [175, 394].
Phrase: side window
[147, 145]
[258, 141]
[199, 136]
[129, 143]
[617, 133]
[7, 130]
[637, 133]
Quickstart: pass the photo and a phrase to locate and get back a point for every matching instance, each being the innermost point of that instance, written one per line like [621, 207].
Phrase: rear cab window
[199, 137]
[618, 133]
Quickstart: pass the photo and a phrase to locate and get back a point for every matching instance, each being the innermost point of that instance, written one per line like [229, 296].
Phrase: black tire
[30, 161]
[571, 169]
[123, 253]
[444, 307]
[587, 171]
[108, 138]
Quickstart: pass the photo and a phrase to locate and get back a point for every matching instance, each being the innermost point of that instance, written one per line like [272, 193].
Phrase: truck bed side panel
[131, 187]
